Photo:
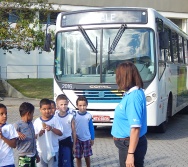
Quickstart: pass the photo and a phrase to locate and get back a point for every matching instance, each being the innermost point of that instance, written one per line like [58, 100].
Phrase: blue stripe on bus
[101, 96]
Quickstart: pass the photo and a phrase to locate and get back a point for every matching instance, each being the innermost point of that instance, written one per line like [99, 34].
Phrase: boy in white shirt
[8, 137]
[68, 140]
[47, 131]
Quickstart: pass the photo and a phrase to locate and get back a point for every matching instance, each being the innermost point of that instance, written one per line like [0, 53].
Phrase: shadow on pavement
[103, 132]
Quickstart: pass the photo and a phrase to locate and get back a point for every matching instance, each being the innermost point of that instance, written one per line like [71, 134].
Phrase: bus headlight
[148, 99]
[151, 97]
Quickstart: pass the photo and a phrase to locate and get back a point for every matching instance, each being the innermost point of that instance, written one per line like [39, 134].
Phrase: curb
[11, 91]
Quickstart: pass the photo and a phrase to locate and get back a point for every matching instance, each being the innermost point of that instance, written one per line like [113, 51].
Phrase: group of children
[53, 140]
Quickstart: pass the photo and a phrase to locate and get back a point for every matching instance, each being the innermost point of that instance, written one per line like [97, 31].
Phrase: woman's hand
[134, 137]
[130, 160]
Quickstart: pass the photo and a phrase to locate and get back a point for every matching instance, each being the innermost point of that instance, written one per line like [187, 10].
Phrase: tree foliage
[20, 26]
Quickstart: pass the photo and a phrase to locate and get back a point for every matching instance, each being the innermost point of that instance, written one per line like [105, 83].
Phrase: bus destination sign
[104, 17]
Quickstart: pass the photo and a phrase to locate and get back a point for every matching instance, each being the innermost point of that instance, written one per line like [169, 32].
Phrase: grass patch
[34, 88]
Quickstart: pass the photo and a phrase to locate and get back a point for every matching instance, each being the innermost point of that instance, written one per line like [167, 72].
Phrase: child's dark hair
[26, 107]
[61, 97]
[2, 106]
[53, 102]
[81, 98]
[44, 102]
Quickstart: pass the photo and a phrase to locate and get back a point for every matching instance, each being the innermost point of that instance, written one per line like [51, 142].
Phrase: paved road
[164, 150]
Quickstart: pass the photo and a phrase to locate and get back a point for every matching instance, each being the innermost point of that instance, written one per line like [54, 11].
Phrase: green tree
[20, 26]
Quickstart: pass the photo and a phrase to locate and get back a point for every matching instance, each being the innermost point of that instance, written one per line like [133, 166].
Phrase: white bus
[91, 43]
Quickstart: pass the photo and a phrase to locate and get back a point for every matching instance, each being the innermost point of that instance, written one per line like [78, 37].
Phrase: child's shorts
[83, 147]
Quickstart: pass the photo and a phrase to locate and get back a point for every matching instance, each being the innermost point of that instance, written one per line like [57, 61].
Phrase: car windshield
[92, 55]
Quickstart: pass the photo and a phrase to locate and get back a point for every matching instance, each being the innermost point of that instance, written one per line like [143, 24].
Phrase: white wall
[18, 64]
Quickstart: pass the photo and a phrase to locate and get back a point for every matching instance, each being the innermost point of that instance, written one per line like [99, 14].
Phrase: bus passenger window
[175, 47]
[168, 53]
[186, 51]
[181, 49]
[163, 56]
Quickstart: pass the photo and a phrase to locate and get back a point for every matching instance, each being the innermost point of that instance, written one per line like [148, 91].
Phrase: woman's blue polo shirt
[130, 112]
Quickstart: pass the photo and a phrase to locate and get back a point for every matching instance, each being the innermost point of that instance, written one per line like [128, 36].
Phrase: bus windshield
[92, 55]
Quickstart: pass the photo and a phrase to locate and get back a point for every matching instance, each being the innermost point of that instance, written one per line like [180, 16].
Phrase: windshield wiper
[117, 38]
[88, 40]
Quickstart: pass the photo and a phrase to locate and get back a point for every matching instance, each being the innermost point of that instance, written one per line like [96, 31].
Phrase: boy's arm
[21, 135]
[56, 131]
[10, 142]
[92, 131]
[73, 133]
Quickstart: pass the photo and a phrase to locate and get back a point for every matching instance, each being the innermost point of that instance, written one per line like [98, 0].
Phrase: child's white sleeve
[58, 125]
[37, 126]
[13, 132]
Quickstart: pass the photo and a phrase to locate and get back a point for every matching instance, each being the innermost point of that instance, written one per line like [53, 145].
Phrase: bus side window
[168, 56]
[181, 50]
[186, 51]
[161, 62]
[164, 52]
[175, 47]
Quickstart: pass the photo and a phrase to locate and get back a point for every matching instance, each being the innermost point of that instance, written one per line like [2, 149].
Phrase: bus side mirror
[47, 44]
[164, 40]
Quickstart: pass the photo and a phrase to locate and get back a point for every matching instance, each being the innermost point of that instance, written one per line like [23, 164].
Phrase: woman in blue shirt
[130, 119]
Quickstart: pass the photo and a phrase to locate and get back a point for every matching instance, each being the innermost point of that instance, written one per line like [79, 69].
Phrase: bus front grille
[112, 96]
